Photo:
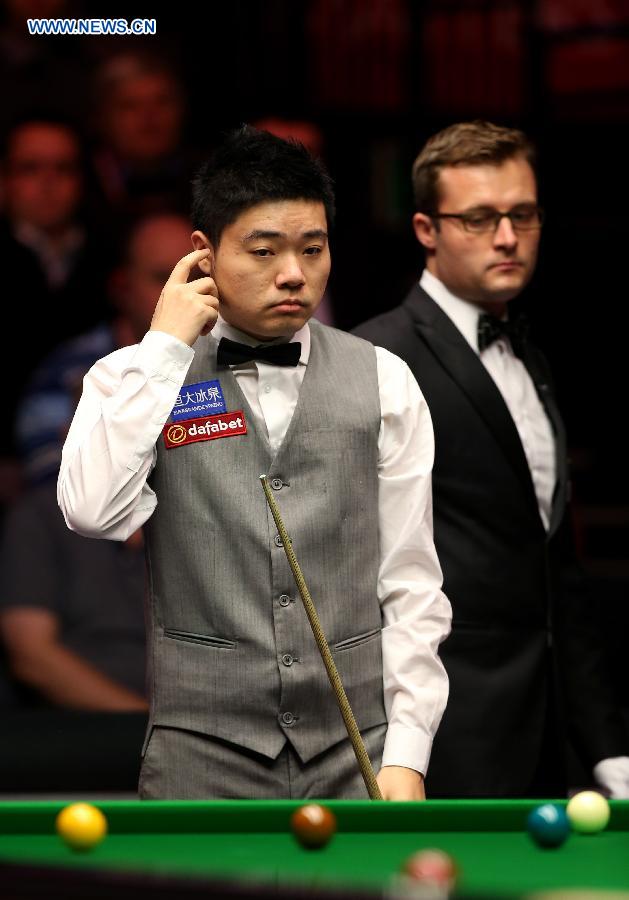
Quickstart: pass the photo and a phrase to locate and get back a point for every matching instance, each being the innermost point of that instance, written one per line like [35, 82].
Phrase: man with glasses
[524, 662]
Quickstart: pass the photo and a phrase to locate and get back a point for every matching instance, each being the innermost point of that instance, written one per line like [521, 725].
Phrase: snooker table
[243, 848]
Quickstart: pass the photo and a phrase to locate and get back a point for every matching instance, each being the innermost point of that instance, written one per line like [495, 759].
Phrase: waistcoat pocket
[206, 639]
[357, 639]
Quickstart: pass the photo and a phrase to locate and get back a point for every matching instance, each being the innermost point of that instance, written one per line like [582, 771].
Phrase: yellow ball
[81, 826]
[588, 812]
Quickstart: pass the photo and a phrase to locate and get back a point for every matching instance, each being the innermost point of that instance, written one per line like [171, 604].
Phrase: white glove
[613, 776]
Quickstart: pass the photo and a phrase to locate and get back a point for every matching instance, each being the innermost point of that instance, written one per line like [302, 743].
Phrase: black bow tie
[231, 353]
[490, 329]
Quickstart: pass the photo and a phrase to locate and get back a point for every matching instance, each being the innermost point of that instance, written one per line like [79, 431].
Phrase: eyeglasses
[480, 221]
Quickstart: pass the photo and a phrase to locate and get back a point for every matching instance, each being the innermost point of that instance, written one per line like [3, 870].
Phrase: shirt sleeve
[110, 448]
[416, 613]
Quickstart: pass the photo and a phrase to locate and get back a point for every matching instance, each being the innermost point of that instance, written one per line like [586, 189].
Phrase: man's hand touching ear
[187, 309]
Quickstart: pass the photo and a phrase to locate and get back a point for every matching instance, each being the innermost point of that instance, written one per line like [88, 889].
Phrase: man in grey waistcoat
[230, 382]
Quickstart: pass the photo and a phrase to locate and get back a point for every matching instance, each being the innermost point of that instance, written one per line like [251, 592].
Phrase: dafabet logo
[206, 429]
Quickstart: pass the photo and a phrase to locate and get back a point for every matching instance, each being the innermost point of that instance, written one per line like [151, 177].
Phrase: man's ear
[425, 230]
[201, 241]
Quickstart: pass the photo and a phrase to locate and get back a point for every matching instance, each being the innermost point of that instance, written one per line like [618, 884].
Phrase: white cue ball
[588, 812]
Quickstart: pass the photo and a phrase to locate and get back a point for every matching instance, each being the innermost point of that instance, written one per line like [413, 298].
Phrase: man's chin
[505, 287]
[283, 322]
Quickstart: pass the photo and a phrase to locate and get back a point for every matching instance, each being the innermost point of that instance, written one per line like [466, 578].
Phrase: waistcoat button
[276, 484]
[287, 659]
[288, 718]
[278, 541]
[284, 600]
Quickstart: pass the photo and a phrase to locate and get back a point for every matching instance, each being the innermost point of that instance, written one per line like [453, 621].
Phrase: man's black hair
[252, 167]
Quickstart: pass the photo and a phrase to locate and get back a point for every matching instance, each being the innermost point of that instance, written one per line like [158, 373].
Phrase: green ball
[588, 812]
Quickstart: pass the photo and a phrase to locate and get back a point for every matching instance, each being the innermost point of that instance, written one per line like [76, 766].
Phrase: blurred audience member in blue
[71, 610]
[153, 245]
[139, 109]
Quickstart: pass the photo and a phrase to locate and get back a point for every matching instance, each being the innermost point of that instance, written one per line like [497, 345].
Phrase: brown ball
[313, 825]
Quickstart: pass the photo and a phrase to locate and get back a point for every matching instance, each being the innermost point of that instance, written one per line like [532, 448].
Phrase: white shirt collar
[463, 314]
[224, 329]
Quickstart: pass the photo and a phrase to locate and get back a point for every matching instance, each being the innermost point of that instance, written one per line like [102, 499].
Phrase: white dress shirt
[517, 389]
[110, 451]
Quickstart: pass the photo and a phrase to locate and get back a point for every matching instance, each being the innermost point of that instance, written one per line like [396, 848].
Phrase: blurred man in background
[55, 271]
[43, 184]
[71, 610]
[73, 624]
[152, 247]
[141, 164]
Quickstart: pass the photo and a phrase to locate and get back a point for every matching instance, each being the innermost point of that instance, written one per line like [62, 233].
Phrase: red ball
[431, 867]
[313, 825]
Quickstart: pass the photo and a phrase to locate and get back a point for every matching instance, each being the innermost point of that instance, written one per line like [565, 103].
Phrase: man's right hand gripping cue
[187, 309]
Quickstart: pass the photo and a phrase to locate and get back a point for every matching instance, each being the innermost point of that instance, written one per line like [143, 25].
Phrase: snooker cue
[362, 757]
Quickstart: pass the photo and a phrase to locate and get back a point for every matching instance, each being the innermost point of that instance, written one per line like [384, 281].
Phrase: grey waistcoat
[231, 652]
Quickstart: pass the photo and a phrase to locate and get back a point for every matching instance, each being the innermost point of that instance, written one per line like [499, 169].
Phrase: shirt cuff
[408, 747]
[162, 355]
[613, 775]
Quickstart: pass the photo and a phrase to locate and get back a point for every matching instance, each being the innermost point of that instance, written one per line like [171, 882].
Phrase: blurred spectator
[73, 625]
[310, 135]
[140, 163]
[71, 610]
[43, 232]
[153, 246]
[51, 270]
